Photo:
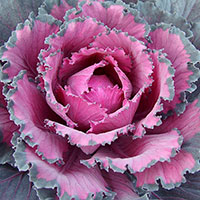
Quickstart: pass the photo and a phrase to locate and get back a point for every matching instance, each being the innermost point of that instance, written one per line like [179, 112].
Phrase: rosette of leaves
[99, 99]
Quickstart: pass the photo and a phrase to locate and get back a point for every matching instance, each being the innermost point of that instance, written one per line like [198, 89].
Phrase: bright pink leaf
[29, 110]
[170, 173]
[121, 185]
[179, 51]
[75, 35]
[119, 118]
[138, 154]
[99, 81]
[29, 40]
[187, 123]
[114, 16]
[82, 139]
[109, 98]
[71, 180]
[151, 102]
[79, 82]
[141, 68]
[51, 82]
[82, 112]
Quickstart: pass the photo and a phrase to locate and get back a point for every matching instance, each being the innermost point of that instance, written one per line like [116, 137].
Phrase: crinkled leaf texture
[188, 9]
[76, 180]
[80, 179]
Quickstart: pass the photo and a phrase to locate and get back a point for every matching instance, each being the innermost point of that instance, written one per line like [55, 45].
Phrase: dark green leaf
[189, 190]
[15, 185]
[6, 152]
[46, 194]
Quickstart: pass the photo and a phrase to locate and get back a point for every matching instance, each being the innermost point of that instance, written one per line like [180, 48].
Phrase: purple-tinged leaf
[82, 112]
[138, 154]
[180, 52]
[170, 173]
[22, 49]
[151, 101]
[115, 15]
[79, 82]
[15, 185]
[13, 12]
[119, 118]
[189, 190]
[110, 97]
[187, 123]
[7, 127]
[71, 180]
[121, 185]
[76, 34]
[49, 78]
[141, 68]
[28, 108]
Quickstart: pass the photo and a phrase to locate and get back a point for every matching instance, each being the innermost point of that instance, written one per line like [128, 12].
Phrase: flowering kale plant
[99, 100]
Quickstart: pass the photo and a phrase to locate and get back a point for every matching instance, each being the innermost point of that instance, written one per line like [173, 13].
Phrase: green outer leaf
[132, 1]
[183, 10]
[153, 15]
[47, 6]
[193, 146]
[194, 95]
[46, 194]
[189, 9]
[13, 12]
[6, 154]
[196, 35]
